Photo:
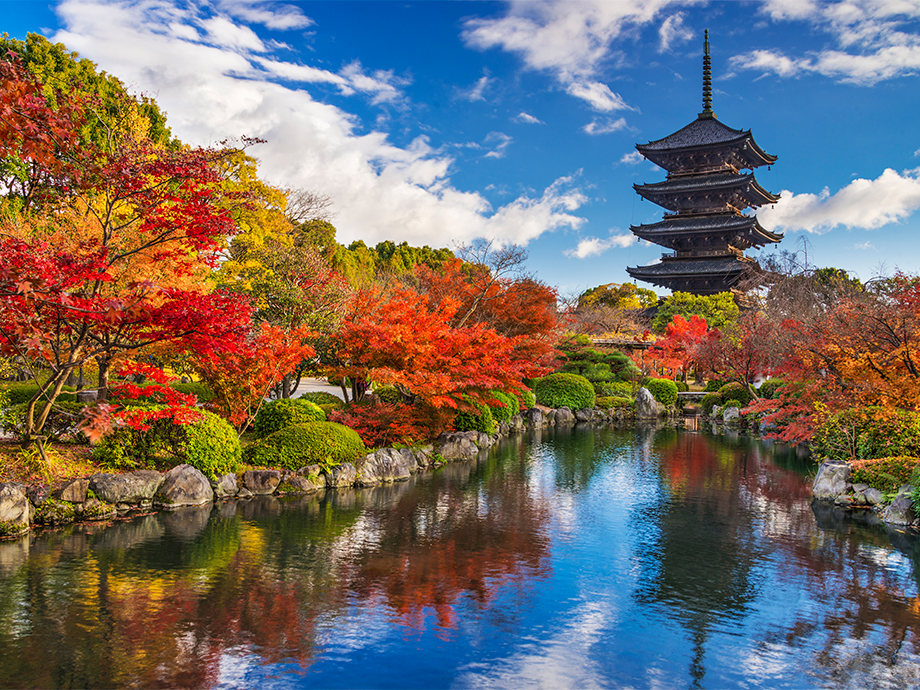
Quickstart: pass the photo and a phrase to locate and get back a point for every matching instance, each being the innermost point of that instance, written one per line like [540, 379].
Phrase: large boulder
[385, 466]
[731, 415]
[341, 476]
[54, 512]
[533, 417]
[646, 405]
[564, 417]
[262, 482]
[901, 510]
[457, 446]
[73, 491]
[226, 486]
[306, 480]
[131, 487]
[832, 480]
[184, 485]
[15, 511]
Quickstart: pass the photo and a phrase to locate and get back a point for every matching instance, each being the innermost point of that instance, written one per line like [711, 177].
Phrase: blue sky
[440, 122]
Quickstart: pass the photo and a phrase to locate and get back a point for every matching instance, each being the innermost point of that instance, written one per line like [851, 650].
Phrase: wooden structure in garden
[706, 193]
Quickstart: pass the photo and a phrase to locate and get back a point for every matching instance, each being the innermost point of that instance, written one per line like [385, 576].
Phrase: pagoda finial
[707, 113]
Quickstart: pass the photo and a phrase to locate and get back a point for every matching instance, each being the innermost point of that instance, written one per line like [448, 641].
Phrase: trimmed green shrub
[565, 390]
[389, 394]
[682, 386]
[62, 420]
[709, 401]
[615, 402]
[278, 414]
[314, 443]
[209, 444]
[663, 390]
[22, 392]
[196, 388]
[732, 403]
[481, 420]
[328, 409]
[502, 413]
[528, 399]
[736, 391]
[769, 387]
[885, 474]
[713, 385]
[867, 433]
[323, 398]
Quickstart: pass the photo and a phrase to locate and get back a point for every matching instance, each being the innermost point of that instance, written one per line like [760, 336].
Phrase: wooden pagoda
[706, 193]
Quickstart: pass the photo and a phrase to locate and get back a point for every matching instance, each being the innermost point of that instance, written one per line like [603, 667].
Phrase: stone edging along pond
[105, 496]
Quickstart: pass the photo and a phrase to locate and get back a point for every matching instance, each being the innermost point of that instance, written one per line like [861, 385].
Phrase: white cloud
[875, 40]
[632, 158]
[279, 17]
[212, 92]
[593, 246]
[605, 127]
[864, 245]
[475, 92]
[673, 31]
[529, 119]
[500, 142]
[865, 204]
[567, 39]
[224, 33]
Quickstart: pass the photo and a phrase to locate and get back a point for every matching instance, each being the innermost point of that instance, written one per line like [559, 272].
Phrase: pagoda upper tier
[706, 232]
[706, 145]
[714, 193]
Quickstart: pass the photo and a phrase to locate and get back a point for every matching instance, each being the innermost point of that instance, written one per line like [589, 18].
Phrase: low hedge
[663, 390]
[507, 408]
[867, 433]
[478, 419]
[565, 390]
[22, 392]
[885, 474]
[278, 414]
[615, 402]
[315, 443]
[323, 398]
[209, 444]
[527, 399]
[62, 421]
[736, 391]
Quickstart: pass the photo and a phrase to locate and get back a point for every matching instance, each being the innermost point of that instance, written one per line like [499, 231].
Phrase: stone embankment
[832, 484]
[105, 496]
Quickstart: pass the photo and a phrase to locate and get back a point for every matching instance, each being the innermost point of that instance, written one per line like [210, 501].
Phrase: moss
[54, 512]
[12, 529]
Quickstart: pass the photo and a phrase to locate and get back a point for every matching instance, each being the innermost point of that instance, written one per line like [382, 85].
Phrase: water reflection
[610, 558]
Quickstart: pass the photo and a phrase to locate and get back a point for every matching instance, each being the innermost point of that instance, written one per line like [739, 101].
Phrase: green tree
[625, 296]
[719, 310]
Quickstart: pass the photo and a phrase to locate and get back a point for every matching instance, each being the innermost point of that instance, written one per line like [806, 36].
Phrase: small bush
[769, 387]
[565, 390]
[62, 421]
[322, 398]
[714, 385]
[867, 433]
[504, 411]
[732, 403]
[18, 393]
[682, 386]
[278, 414]
[885, 474]
[479, 419]
[314, 443]
[527, 399]
[387, 424]
[388, 394]
[615, 402]
[736, 391]
[709, 401]
[663, 390]
[209, 444]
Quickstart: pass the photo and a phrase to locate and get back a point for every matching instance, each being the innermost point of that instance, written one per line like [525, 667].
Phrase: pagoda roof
[707, 275]
[670, 231]
[703, 192]
[706, 135]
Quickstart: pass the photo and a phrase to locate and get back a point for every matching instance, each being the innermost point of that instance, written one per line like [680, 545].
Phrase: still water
[582, 559]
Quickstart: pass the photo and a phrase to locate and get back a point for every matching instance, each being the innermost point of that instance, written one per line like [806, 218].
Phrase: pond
[575, 559]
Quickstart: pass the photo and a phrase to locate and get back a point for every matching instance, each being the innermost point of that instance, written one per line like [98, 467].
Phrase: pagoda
[706, 193]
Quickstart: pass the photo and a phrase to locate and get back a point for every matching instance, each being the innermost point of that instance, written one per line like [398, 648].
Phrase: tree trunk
[286, 386]
[103, 379]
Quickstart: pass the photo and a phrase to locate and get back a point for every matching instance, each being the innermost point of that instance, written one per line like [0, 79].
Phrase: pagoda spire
[707, 113]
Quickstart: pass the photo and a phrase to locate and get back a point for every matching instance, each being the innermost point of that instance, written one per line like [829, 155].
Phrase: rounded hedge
[682, 386]
[732, 403]
[389, 394]
[528, 399]
[709, 401]
[503, 412]
[713, 385]
[209, 444]
[278, 414]
[313, 443]
[480, 420]
[323, 398]
[615, 403]
[769, 387]
[565, 390]
[663, 390]
[735, 391]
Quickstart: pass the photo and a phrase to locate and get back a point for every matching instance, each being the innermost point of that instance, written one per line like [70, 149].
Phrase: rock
[533, 417]
[38, 494]
[54, 512]
[456, 446]
[94, 510]
[901, 510]
[300, 484]
[131, 487]
[73, 491]
[314, 475]
[262, 482]
[341, 476]
[246, 493]
[716, 411]
[564, 417]
[731, 415]
[646, 405]
[768, 427]
[184, 486]
[225, 486]
[516, 424]
[15, 511]
[831, 480]
[483, 440]
[549, 419]
[87, 396]
[383, 467]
